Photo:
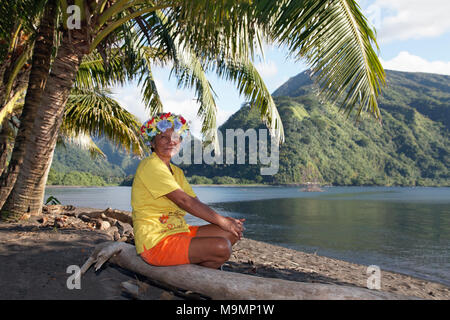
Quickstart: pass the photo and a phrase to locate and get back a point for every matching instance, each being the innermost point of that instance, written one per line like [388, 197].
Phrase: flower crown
[160, 123]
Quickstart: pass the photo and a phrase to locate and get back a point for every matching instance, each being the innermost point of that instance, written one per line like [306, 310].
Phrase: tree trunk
[5, 134]
[221, 285]
[39, 187]
[37, 82]
[3, 66]
[24, 199]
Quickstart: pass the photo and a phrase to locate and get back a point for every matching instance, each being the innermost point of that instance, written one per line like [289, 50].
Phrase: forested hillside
[411, 146]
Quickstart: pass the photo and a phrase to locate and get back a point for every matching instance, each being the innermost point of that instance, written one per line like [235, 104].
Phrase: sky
[413, 35]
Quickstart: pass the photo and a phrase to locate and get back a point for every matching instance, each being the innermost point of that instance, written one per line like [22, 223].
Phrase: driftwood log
[118, 215]
[218, 285]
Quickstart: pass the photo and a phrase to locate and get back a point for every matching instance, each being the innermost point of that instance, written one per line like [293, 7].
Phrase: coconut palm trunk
[5, 133]
[24, 199]
[3, 67]
[37, 82]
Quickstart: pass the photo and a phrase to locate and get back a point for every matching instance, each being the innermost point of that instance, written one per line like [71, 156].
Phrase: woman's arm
[197, 208]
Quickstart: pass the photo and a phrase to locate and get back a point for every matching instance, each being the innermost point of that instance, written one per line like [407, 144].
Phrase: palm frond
[95, 113]
[150, 95]
[190, 73]
[11, 105]
[83, 141]
[252, 87]
[337, 42]
[227, 29]
[156, 45]
[94, 73]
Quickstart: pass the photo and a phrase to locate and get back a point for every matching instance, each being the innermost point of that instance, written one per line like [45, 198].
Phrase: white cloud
[409, 19]
[130, 98]
[267, 69]
[405, 61]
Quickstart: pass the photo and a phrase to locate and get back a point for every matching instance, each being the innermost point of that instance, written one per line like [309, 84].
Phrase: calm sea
[399, 229]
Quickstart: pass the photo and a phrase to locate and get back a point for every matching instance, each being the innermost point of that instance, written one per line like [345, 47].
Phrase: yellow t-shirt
[154, 215]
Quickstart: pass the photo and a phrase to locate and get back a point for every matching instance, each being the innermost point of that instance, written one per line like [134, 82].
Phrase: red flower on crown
[183, 121]
[165, 115]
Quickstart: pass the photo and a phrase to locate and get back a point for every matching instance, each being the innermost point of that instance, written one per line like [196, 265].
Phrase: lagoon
[401, 229]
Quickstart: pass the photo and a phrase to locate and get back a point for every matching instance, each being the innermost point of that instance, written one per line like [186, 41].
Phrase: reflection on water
[412, 238]
[400, 229]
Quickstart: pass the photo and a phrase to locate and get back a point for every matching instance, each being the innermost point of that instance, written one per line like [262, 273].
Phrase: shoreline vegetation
[66, 235]
[251, 185]
[88, 180]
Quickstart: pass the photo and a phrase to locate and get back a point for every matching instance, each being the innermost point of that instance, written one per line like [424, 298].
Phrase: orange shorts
[171, 250]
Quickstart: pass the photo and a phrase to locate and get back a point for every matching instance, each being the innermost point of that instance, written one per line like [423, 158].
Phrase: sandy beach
[35, 255]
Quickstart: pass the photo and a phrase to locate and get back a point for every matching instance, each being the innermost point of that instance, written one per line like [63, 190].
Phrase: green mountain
[411, 146]
[74, 166]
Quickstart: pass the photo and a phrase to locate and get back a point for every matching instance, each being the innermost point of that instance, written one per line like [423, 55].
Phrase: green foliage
[74, 166]
[411, 148]
[52, 200]
[75, 178]
[128, 181]
[199, 180]
[224, 180]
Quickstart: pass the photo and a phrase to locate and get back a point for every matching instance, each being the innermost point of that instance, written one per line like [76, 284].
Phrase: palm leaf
[150, 95]
[95, 113]
[337, 42]
[190, 73]
[94, 73]
[81, 140]
[252, 87]
[11, 104]
[223, 29]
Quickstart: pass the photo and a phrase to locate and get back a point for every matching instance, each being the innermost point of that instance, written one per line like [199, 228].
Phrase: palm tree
[17, 35]
[37, 80]
[89, 113]
[33, 172]
[332, 35]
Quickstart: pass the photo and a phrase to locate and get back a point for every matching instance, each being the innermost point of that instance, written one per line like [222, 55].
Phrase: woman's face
[167, 143]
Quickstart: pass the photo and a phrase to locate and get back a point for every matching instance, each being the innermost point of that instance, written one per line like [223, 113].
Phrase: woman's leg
[211, 246]
[210, 252]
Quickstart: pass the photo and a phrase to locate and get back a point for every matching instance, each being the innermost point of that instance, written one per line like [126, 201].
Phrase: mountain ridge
[409, 148]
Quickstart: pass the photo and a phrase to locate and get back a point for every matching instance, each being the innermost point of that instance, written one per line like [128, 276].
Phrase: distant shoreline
[253, 185]
[196, 185]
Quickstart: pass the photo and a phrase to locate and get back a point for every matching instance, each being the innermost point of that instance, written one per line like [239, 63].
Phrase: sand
[35, 255]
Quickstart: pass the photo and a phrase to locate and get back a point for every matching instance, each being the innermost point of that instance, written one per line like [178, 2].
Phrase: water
[399, 229]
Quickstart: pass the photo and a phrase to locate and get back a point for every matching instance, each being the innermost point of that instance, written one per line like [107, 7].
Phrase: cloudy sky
[413, 35]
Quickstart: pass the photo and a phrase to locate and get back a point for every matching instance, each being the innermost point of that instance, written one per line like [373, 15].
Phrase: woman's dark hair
[151, 147]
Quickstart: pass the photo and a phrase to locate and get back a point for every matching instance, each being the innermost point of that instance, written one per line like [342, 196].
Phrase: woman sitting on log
[161, 196]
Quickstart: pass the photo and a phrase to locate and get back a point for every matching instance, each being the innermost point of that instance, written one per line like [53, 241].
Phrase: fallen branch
[219, 285]
[57, 209]
[122, 216]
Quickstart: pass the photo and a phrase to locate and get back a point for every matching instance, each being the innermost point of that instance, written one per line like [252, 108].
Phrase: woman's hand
[195, 207]
[235, 226]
